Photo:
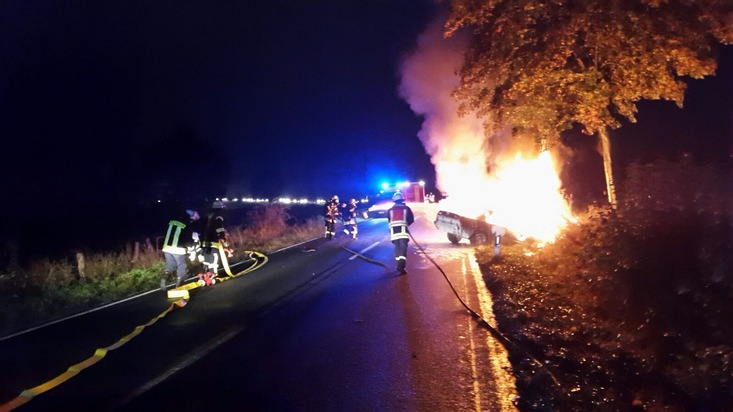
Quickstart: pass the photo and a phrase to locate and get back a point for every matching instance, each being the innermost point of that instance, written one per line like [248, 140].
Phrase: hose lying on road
[376, 262]
[256, 259]
[508, 344]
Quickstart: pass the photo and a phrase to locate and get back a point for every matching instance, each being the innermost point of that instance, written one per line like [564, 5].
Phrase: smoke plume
[479, 173]
[428, 79]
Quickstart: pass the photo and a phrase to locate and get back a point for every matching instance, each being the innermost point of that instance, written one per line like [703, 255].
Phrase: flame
[523, 194]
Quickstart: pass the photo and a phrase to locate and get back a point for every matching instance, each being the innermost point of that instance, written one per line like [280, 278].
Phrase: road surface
[325, 325]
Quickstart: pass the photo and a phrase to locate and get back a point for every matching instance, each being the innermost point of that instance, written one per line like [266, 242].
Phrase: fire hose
[506, 342]
[257, 260]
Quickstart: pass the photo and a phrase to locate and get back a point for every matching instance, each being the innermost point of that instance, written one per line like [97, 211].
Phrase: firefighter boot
[163, 281]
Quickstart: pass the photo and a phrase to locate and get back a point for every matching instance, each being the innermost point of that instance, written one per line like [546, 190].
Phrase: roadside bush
[272, 228]
[630, 308]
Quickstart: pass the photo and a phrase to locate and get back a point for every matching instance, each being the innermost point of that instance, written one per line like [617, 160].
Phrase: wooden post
[80, 265]
[136, 253]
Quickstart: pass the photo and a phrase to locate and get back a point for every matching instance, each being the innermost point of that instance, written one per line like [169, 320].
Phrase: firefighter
[331, 213]
[400, 216]
[349, 217]
[180, 239]
[213, 234]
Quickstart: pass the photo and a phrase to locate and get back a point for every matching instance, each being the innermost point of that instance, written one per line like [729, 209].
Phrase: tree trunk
[607, 166]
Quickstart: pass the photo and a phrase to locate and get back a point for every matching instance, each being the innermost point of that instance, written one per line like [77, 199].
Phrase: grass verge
[48, 289]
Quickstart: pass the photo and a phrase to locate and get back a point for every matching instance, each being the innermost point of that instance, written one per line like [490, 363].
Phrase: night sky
[238, 98]
[111, 105]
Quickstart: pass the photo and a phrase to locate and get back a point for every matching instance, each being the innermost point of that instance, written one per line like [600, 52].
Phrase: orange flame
[523, 195]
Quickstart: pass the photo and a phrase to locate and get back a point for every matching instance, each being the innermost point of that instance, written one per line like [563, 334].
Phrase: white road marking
[498, 357]
[472, 354]
[361, 252]
[79, 314]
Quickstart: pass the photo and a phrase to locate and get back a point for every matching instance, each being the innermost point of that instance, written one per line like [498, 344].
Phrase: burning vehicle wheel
[479, 238]
[453, 238]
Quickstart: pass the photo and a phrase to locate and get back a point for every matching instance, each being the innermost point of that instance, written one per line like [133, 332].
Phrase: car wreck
[478, 231]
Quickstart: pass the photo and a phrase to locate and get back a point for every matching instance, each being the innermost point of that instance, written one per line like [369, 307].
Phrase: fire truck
[412, 191]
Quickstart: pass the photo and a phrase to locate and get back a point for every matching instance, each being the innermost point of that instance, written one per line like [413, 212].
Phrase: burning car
[477, 231]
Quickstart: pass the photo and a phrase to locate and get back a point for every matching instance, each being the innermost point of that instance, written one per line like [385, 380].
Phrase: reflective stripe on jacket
[399, 216]
[172, 238]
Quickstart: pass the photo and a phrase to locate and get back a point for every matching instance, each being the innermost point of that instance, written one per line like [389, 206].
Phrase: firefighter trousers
[400, 253]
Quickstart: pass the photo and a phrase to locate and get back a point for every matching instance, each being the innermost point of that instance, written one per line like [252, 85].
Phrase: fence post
[80, 265]
[136, 253]
[498, 232]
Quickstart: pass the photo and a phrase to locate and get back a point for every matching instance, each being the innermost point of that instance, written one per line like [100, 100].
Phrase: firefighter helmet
[397, 196]
[335, 198]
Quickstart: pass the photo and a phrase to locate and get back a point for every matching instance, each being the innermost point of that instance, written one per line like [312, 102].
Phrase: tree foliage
[543, 65]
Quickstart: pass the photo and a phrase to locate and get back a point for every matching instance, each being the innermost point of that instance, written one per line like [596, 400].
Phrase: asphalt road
[318, 328]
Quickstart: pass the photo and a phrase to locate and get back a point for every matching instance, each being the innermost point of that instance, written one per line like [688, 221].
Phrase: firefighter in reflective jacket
[213, 237]
[330, 214]
[400, 217]
[179, 241]
[349, 217]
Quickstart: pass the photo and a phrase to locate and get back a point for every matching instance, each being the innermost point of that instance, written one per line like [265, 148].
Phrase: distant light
[158, 200]
[385, 185]
[224, 199]
[235, 200]
[422, 183]
[403, 184]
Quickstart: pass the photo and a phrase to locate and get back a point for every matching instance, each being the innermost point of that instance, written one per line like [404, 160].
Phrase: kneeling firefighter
[213, 238]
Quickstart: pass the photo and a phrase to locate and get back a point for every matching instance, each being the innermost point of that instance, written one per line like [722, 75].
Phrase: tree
[540, 66]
